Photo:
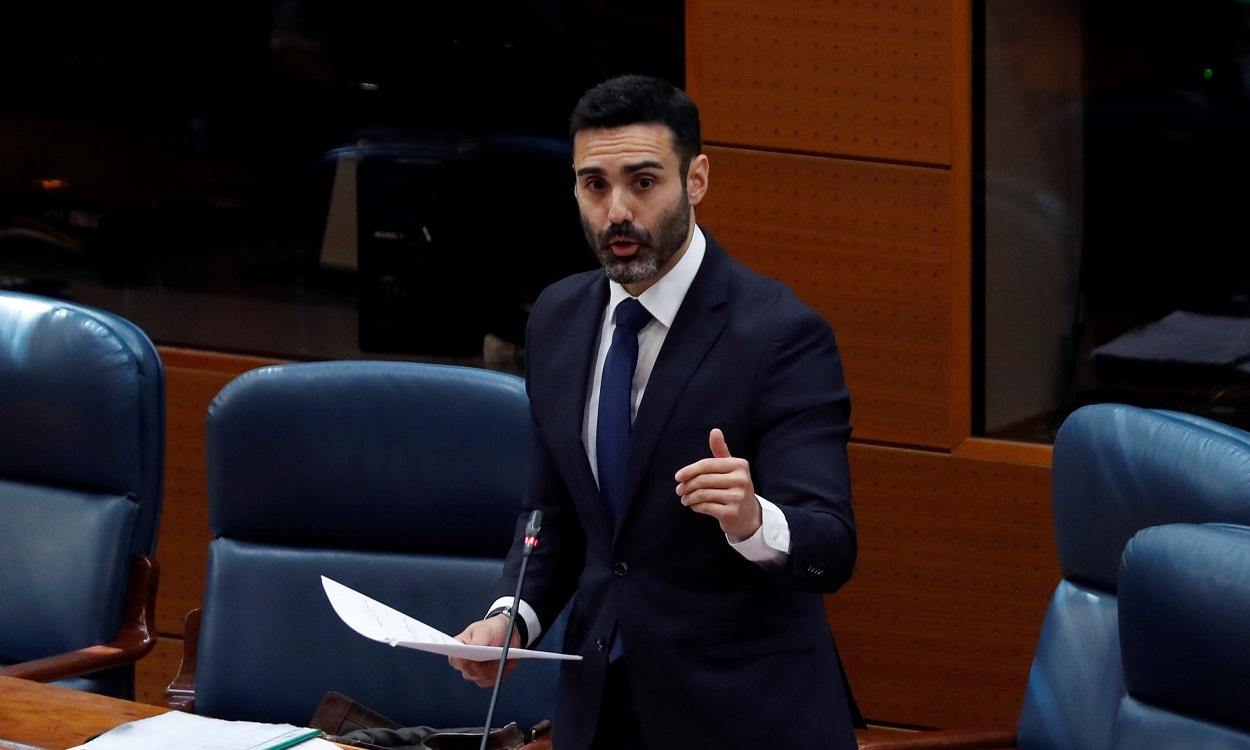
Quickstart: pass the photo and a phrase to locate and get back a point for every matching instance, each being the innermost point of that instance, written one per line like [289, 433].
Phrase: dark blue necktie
[615, 400]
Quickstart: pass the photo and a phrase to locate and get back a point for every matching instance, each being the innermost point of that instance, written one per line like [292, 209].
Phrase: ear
[696, 179]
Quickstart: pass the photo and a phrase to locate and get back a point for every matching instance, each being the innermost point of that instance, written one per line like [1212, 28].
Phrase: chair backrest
[400, 480]
[81, 463]
[1185, 639]
[1117, 469]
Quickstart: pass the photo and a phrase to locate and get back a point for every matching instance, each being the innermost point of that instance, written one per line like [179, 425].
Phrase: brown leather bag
[350, 723]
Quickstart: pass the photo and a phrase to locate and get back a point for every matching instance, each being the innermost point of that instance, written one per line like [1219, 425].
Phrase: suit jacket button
[601, 645]
[620, 568]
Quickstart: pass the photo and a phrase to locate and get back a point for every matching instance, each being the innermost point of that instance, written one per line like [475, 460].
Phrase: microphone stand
[531, 541]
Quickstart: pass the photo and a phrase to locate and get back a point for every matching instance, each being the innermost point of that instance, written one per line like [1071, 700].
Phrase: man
[690, 422]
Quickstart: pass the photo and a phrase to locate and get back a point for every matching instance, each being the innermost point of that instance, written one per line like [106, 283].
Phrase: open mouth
[623, 247]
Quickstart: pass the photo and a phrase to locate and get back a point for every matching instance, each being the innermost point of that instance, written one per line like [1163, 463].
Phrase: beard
[653, 250]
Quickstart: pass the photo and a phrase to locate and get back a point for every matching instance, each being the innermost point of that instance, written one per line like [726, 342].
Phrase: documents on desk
[182, 731]
[376, 621]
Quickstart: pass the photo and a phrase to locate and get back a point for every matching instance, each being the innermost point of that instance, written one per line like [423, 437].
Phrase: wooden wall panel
[157, 670]
[184, 534]
[956, 567]
[868, 246]
[960, 353]
[847, 77]
[192, 379]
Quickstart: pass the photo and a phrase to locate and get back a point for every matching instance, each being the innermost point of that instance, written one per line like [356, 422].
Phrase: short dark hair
[636, 99]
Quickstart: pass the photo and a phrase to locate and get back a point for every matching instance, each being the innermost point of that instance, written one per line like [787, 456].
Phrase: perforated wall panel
[845, 77]
[956, 566]
[868, 246]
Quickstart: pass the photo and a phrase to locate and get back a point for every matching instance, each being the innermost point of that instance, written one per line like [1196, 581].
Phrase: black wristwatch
[521, 627]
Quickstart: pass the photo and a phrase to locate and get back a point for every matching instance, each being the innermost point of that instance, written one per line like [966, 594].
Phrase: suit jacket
[721, 652]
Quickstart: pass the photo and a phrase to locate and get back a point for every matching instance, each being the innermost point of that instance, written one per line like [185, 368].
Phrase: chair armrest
[180, 695]
[939, 739]
[135, 639]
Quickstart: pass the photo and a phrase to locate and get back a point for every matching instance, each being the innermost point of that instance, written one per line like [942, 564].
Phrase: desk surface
[56, 717]
[48, 716]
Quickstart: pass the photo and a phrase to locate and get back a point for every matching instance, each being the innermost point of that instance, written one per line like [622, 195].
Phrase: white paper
[378, 622]
[182, 731]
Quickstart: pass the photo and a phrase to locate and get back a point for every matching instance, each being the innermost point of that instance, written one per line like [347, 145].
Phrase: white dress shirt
[769, 546]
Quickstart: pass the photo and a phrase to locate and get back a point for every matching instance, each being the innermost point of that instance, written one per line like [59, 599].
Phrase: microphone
[532, 527]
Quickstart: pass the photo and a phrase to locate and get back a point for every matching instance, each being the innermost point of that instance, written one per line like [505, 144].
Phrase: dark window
[306, 178]
[1114, 159]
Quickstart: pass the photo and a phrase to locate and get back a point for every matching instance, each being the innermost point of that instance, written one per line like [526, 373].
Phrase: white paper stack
[182, 731]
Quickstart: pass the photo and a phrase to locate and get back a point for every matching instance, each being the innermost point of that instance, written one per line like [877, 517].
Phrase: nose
[618, 208]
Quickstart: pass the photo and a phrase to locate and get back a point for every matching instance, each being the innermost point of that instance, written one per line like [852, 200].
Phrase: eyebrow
[628, 168]
[639, 166]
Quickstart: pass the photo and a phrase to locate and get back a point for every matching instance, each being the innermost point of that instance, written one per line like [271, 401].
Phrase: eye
[646, 182]
[593, 184]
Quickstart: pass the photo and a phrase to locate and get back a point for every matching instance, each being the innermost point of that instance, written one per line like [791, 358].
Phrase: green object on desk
[310, 734]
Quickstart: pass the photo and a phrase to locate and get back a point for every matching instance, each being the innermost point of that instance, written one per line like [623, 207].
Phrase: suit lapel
[568, 381]
[698, 324]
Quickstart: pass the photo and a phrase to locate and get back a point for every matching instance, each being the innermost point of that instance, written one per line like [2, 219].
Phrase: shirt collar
[663, 298]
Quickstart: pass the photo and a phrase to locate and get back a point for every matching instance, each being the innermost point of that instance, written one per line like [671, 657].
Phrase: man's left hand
[721, 487]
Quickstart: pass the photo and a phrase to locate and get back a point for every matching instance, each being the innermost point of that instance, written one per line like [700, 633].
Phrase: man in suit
[690, 428]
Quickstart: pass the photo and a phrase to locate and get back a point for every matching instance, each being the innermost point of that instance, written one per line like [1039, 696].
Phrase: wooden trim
[830, 154]
[953, 739]
[197, 359]
[694, 56]
[1005, 451]
[961, 223]
[180, 694]
[133, 641]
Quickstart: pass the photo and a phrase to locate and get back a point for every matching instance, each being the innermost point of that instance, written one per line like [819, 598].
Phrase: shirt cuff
[769, 546]
[528, 614]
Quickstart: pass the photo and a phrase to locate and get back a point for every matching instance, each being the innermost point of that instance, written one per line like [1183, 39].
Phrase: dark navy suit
[721, 652]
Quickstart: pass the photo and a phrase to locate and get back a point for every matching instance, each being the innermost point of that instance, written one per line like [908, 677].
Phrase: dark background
[173, 162]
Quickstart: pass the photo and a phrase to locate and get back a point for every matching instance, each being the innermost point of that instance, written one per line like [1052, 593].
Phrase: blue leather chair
[1185, 639]
[1117, 470]
[82, 432]
[400, 480]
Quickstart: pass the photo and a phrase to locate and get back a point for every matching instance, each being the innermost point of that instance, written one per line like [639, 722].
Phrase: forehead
[609, 147]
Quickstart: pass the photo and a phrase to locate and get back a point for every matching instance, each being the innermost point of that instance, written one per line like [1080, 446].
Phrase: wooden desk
[56, 718]
[47, 716]
[52, 717]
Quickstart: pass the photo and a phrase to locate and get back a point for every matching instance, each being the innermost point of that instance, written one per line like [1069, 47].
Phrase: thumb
[716, 441]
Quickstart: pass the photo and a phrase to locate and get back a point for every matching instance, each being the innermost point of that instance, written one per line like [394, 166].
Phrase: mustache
[624, 230]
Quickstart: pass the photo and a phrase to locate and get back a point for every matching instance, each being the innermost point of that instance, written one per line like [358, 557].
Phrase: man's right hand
[485, 633]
